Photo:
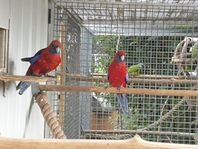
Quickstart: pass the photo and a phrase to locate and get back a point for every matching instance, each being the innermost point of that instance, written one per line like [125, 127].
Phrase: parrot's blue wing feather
[127, 78]
[123, 101]
[22, 86]
[34, 58]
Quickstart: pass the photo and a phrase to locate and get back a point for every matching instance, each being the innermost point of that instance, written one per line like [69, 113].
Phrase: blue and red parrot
[118, 77]
[44, 61]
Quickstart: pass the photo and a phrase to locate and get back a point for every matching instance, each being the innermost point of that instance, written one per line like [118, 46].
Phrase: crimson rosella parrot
[44, 61]
[118, 77]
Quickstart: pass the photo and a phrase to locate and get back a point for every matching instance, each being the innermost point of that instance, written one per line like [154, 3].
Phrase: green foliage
[106, 44]
[105, 47]
[195, 50]
[100, 64]
[189, 28]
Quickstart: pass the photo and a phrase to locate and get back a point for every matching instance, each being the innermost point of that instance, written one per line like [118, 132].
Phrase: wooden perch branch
[180, 53]
[184, 48]
[135, 143]
[142, 79]
[136, 76]
[182, 134]
[182, 57]
[178, 49]
[167, 81]
[115, 90]
[185, 61]
[26, 78]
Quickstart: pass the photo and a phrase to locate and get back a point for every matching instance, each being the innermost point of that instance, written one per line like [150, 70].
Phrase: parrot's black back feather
[26, 59]
[34, 58]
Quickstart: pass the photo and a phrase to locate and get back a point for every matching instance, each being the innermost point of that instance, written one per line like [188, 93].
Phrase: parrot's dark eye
[54, 46]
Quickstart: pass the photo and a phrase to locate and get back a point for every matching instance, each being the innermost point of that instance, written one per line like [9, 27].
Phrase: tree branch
[164, 117]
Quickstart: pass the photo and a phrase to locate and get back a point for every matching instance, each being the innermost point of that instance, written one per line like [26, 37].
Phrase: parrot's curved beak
[122, 58]
[58, 50]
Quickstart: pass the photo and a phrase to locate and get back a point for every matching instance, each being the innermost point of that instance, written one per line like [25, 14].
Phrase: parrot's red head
[56, 43]
[121, 53]
[55, 47]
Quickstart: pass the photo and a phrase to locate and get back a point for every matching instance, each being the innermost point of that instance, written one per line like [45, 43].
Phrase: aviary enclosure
[160, 34]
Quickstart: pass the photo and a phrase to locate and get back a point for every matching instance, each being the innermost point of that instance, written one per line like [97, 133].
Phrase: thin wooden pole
[138, 76]
[62, 71]
[141, 91]
[26, 78]
[117, 132]
[134, 79]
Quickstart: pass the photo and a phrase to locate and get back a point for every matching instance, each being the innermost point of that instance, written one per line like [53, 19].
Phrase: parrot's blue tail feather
[123, 101]
[22, 86]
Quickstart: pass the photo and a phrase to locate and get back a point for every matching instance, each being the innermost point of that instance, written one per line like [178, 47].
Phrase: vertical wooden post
[62, 78]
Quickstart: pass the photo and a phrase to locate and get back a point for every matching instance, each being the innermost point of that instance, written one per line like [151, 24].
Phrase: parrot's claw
[50, 76]
[119, 88]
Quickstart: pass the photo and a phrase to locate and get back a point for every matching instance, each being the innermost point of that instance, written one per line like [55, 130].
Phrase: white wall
[4, 13]
[28, 34]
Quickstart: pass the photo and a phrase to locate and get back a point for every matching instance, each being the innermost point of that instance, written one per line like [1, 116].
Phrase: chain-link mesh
[149, 32]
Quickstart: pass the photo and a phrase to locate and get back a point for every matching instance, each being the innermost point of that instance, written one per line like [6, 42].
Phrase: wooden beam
[141, 91]
[63, 35]
[134, 143]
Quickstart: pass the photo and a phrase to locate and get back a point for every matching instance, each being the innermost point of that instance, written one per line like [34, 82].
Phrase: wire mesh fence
[149, 32]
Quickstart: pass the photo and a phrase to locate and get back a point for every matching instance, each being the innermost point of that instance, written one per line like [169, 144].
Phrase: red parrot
[44, 61]
[118, 77]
